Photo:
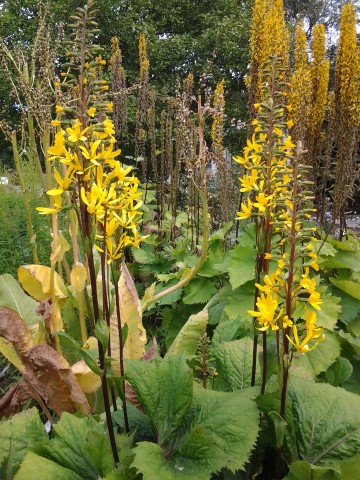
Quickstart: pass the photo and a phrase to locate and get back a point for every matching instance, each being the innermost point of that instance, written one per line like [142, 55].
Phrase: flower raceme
[271, 183]
[90, 174]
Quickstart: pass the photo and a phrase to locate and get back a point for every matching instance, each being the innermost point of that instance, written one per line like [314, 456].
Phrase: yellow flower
[108, 127]
[248, 182]
[287, 144]
[242, 160]
[267, 288]
[91, 112]
[58, 149]
[286, 322]
[91, 155]
[315, 300]
[246, 210]
[290, 123]
[55, 123]
[267, 305]
[75, 133]
[51, 210]
[59, 109]
[262, 201]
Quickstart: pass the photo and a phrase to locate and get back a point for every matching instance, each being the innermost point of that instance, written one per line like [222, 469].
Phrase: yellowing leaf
[7, 349]
[56, 323]
[59, 252]
[78, 276]
[87, 379]
[131, 315]
[91, 344]
[35, 280]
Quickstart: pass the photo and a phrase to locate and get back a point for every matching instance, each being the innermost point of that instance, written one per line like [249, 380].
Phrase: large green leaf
[80, 445]
[150, 461]
[234, 363]
[347, 286]
[199, 290]
[164, 388]
[187, 340]
[344, 260]
[17, 435]
[240, 301]
[40, 468]
[242, 265]
[224, 429]
[145, 255]
[309, 365]
[329, 313]
[338, 372]
[302, 470]
[353, 341]
[326, 420]
[13, 296]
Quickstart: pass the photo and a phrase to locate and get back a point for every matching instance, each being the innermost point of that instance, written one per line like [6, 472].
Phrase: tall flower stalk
[286, 298]
[92, 182]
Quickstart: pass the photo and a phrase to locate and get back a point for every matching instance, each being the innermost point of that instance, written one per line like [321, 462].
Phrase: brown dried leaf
[48, 373]
[16, 396]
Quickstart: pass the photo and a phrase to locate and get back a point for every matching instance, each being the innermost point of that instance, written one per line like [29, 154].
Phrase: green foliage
[187, 340]
[14, 243]
[323, 437]
[318, 360]
[13, 296]
[192, 423]
[80, 449]
[241, 265]
[17, 435]
[234, 363]
[338, 372]
[164, 388]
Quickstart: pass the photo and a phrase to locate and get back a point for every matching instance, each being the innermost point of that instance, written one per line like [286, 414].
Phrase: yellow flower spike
[50, 210]
[267, 288]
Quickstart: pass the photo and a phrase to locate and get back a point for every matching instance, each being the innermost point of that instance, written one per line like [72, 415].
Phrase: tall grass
[14, 242]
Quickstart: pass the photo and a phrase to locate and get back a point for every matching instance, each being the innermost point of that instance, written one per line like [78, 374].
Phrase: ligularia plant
[104, 194]
[286, 296]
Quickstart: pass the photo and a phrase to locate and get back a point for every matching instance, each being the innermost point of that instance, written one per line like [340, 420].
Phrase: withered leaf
[48, 373]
